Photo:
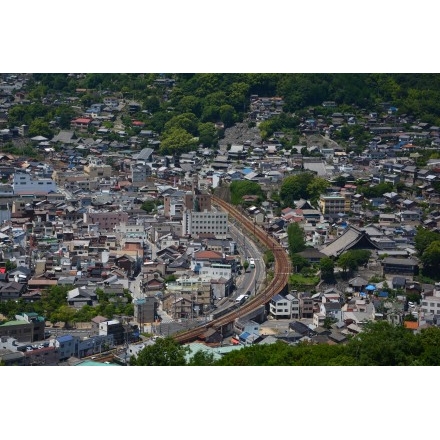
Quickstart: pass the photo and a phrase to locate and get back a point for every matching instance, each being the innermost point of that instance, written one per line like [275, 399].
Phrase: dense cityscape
[219, 219]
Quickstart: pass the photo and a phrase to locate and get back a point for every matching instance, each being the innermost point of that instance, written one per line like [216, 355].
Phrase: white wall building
[207, 222]
[216, 271]
[431, 304]
[24, 183]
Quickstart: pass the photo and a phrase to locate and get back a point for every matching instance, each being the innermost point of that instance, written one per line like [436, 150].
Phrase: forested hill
[380, 344]
[190, 110]
[204, 93]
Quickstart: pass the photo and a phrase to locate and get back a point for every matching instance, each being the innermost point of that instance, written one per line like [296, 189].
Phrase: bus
[241, 299]
[251, 263]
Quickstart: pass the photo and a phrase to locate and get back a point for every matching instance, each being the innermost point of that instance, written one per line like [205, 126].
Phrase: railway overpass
[279, 283]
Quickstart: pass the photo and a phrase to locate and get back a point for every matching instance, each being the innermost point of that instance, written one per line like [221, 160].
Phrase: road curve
[282, 270]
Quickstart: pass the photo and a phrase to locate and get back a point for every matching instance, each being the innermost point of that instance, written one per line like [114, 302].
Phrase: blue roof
[65, 338]
[96, 364]
[244, 335]
[383, 294]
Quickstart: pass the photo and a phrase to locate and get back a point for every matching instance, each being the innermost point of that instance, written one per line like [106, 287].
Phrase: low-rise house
[331, 310]
[301, 328]
[294, 305]
[280, 307]
[404, 266]
[246, 331]
[211, 336]
[11, 291]
[82, 296]
[66, 346]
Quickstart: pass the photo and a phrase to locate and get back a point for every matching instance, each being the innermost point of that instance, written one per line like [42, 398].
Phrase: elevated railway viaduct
[278, 284]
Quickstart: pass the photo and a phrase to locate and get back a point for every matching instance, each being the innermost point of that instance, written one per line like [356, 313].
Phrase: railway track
[282, 271]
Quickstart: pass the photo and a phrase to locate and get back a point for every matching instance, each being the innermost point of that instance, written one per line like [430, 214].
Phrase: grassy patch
[300, 281]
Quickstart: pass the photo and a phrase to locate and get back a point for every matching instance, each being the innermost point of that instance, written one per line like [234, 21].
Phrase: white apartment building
[206, 222]
[23, 183]
[431, 304]
[124, 231]
[216, 271]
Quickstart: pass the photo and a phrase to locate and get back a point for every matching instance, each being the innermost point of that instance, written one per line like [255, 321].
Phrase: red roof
[82, 121]
[411, 325]
[207, 255]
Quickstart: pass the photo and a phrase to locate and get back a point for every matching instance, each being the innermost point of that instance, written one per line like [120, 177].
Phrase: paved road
[253, 278]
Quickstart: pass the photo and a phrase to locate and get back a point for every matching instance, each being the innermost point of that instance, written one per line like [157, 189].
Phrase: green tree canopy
[207, 134]
[164, 352]
[39, 127]
[176, 141]
[240, 188]
[423, 238]
[316, 187]
[149, 205]
[383, 344]
[185, 121]
[327, 267]
[431, 259]
[350, 260]
[296, 238]
[296, 187]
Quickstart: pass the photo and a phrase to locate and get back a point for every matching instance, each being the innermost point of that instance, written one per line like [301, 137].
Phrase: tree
[207, 134]
[268, 258]
[185, 121]
[149, 206]
[164, 352]
[423, 238]
[228, 115]
[381, 343]
[328, 322]
[346, 262]
[296, 238]
[295, 187]
[66, 314]
[240, 188]
[176, 141]
[431, 259]
[350, 260]
[316, 187]
[10, 265]
[299, 262]
[245, 265]
[327, 267]
[39, 127]
[429, 338]
[201, 359]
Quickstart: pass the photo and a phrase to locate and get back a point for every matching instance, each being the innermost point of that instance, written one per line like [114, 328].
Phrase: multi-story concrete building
[145, 310]
[173, 205]
[280, 307]
[139, 175]
[27, 327]
[431, 304]
[23, 184]
[199, 224]
[334, 204]
[107, 220]
[97, 169]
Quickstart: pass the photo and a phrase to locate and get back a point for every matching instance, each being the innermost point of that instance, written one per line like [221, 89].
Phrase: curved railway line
[282, 269]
